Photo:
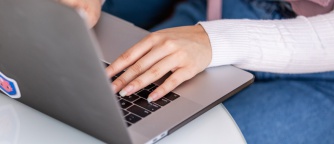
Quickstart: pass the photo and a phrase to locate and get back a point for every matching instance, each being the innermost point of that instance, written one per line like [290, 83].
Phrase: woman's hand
[185, 51]
[91, 9]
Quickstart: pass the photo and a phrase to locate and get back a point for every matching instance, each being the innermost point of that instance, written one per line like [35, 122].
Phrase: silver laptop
[52, 62]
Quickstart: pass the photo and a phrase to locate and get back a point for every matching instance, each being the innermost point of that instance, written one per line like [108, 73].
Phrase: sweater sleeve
[300, 45]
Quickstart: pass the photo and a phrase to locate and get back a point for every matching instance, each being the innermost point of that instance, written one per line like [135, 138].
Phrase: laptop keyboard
[136, 107]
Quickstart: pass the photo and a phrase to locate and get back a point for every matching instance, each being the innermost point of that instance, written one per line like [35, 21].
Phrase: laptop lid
[38, 52]
[69, 73]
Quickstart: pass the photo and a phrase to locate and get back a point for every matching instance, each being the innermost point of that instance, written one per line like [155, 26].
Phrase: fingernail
[126, 90]
[149, 99]
[122, 93]
[152, 97]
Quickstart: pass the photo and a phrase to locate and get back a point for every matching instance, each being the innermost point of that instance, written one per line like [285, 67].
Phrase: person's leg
[149, 13]
[142, 13]
[152, 13]
[250, 9]
[285, 111]
[267, 76]
[281, 108]
[186, 13]
[193, 11]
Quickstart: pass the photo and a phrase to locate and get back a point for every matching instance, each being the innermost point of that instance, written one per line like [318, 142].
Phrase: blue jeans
[277, 108]
[143, 13]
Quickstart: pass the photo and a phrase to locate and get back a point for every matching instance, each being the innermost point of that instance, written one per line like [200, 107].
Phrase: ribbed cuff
[229, 41]
[300, 45]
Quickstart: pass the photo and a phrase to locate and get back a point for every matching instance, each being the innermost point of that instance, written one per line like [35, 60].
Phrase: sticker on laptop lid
[9, 86]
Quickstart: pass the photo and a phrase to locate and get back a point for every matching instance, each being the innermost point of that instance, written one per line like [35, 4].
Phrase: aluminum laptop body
[56, 62]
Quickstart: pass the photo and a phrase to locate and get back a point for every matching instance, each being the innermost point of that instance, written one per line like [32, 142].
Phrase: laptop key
[125, 112]
[124, 104]
[149, 106]
[144, 93]
[162, 102]
[153, 88]
[171, 96]
[149, 86]
[131, 98]
[132, 118]
[139, 111]
[128, 124]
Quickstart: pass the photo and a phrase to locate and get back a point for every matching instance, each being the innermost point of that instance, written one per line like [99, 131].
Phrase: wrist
[229, 42]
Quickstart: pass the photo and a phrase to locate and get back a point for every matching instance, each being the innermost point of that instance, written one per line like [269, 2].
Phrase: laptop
[50, 61]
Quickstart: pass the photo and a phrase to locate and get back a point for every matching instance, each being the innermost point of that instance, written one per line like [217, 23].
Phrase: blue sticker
[9, 86]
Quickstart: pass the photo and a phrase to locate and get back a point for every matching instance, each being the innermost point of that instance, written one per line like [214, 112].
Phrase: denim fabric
[142, 13]
[277, 108]
[285, 112]
[186, 13]
[193, 11]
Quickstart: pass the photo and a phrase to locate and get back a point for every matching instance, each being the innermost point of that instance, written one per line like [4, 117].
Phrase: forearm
[300, 45]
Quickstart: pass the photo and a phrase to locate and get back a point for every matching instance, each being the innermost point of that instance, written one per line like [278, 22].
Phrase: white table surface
[22, 124]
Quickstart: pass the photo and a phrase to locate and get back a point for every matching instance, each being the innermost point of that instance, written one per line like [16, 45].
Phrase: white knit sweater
[300, 45]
